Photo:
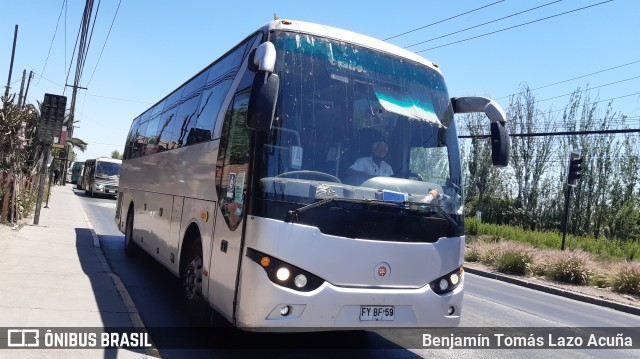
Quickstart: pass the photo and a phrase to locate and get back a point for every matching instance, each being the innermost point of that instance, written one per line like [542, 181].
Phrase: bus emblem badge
[382, 271]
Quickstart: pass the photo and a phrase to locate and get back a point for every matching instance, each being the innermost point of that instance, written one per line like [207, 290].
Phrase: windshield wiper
[293, 215]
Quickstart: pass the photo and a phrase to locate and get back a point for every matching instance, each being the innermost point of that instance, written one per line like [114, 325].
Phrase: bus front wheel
[191, 281]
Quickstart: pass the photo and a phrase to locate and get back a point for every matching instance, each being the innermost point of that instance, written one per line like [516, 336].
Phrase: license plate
[376, 313]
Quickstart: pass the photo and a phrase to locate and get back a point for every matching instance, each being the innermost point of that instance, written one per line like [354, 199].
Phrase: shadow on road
[112, 311]
[156, 293]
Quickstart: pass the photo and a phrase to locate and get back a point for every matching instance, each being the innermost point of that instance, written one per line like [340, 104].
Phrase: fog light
[285, 310]
[451, 310]
[454, 278]
[300, 280]
[283, 274]
[443, 284]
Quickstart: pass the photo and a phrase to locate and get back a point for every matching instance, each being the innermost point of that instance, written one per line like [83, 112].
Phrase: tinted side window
[128, 146]
[140, 140]
[186, 114]
[220, 78]
[151, 130]
[166, 140]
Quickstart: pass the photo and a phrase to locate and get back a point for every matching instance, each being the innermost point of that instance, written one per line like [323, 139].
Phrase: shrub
[483, 250]
[627, 279]
[512, 261]
[572, 267]
[471, 254]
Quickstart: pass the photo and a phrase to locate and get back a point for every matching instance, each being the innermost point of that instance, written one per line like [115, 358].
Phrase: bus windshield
[344, 108]
[107, 169]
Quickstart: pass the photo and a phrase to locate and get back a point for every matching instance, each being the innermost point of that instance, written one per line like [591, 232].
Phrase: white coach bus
[239, 183]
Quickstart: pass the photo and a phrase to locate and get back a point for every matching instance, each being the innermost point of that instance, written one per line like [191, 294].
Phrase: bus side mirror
[264, 91]
[263, 58]
[262, 101]
[499, 134]
[499, 144]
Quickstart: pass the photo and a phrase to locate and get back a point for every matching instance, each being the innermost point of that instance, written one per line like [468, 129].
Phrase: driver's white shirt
[368, 166]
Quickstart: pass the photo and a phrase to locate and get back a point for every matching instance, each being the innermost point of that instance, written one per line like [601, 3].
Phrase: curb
[134, 315]
[556, 291]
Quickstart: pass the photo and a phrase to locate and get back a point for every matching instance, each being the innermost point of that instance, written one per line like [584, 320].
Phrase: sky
[142, 50]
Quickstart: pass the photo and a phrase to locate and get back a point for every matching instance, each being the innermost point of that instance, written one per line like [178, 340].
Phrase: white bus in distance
[238, 183]
[100, 176]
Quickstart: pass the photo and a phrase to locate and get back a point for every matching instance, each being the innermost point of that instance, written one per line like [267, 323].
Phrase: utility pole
[24, 99]
[24, 74]
[13, 54]
[82, 52]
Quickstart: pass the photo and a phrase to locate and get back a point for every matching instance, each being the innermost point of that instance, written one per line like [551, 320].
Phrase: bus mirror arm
[499, 134]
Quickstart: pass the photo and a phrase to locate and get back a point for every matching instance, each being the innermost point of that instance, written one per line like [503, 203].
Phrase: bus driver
[373, 165]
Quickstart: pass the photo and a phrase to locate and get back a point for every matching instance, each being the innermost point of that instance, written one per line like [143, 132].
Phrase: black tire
[191, 283]
[130, 246]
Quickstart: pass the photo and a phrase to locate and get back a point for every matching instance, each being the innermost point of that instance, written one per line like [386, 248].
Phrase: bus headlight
[285, 274]
[454, 278]
[300, 281]
[443, 284]
[447, 282]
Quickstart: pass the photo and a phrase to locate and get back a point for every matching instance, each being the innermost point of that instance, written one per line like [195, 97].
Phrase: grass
[607, 249]
[574, 266]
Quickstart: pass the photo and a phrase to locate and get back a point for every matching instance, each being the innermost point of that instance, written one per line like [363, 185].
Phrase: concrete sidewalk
[54, 275]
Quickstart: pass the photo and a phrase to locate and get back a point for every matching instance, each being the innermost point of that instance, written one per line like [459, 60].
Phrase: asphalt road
[488, 304]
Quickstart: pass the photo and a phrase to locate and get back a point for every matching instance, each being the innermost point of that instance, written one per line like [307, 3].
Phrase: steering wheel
[309, 175]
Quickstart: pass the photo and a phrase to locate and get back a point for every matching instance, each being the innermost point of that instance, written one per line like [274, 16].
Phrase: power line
[598, 101]
[105, 43]
[486, 23]
[441, 21]
[53, 38]
[516, 26]
[561, 133]
[72, 55]
[574, 78]
[120, 99]
[589, 88]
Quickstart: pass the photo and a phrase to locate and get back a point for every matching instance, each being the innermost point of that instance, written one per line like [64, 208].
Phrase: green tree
[481, 178]
[20, 154]
[116, 155]
[529, 155]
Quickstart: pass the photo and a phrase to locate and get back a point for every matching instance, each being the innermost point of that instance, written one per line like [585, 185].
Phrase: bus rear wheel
[130, 247]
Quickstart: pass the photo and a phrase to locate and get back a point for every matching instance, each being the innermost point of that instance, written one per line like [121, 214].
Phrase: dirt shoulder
[593, 292]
